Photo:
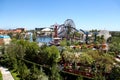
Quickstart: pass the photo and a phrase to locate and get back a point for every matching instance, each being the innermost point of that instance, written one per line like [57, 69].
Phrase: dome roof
[105, 33]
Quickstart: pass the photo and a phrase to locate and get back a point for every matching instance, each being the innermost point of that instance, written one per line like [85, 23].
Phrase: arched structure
[105, 33]
[66, 28]
[70, 23]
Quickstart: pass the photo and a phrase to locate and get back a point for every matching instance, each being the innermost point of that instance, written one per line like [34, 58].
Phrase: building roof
[46, 29]
[4, 36]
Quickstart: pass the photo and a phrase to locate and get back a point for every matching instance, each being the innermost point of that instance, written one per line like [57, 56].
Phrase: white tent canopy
[46, 29]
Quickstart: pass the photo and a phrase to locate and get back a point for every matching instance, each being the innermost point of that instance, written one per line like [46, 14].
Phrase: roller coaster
[68, 27]
[64, 29]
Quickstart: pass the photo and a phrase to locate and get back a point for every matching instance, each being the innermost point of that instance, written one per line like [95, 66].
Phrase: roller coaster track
[63, 29]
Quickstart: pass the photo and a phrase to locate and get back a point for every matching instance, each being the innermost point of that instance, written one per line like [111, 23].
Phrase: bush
[0, 76]
[115, 74]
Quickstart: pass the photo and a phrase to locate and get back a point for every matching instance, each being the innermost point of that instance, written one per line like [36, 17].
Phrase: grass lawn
[15, 75]
[0, 76]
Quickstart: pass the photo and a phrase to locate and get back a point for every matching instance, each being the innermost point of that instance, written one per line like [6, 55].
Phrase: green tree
[68, 31]
[55, 75]
[86, 59]
[31, 50]
[53, 54]
[63, 43]
[10, 55]
[34, 36]
[27, 37]
[23, 70]
[80, 78]
[115, 74]
[10, 34]
[47, 55]
[37, 74]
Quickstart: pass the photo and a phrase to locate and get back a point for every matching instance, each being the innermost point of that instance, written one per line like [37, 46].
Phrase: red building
[17, 30]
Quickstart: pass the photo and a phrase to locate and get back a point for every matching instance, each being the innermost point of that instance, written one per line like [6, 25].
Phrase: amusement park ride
[56, 39]
[61, 31]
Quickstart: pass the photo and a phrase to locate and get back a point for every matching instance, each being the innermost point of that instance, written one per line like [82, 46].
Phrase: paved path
[6, 75]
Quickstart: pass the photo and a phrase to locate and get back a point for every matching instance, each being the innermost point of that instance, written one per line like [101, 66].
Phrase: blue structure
[4, 39]
[4, 36]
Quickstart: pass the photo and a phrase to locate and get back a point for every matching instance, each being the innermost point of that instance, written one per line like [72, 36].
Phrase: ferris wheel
[63, 28]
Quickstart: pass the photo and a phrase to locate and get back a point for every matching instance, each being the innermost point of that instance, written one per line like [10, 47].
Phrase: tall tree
[34, 36]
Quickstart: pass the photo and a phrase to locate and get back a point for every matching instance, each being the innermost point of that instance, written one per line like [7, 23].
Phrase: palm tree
[34, 36]
[68, 31]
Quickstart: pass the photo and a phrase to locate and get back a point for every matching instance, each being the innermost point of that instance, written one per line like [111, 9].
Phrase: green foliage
[115, 74]
[55, 73]
[10, 34]
[0, 76]
[43, 55]
[67, 48]
[94, 30]
[63, 43]
[18, 36]
[104, 63]
[53, 54]
[68, 43]
[100, 39]
[86, 59]
[37, 74]
[68, 56]
[77, 34]
[2, 49]
[34, 36]
[83, 58]
[50, 56]
[84, 46]
[80, 78]
[15, 75]
[23, 70]
[31, 50]
[115, 45]
[27, 37]
[112, 53]
[22, 49]
[115, 33]
[99, 77]
[94, 54]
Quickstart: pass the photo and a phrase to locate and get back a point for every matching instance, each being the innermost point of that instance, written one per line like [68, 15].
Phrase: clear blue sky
[87, 14]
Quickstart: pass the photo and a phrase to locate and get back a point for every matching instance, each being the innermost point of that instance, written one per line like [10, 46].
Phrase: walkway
[6, 75]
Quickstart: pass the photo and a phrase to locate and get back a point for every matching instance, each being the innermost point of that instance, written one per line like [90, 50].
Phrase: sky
[86, 14]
